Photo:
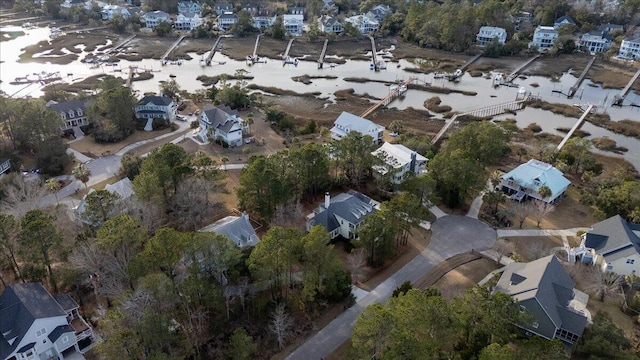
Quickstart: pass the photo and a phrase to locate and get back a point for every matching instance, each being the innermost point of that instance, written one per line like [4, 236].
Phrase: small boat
[172, 76]
[438, 75]
[402, 90]
[372, 66]
[393, 87]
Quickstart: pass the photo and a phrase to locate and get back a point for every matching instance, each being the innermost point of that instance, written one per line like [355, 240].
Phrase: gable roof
[351, 206]
[221, 117]
[610, 27]
[564, 19]
[156, 100]
[614, 238]
[546, 29]
[124, 188]
[526, 174]
[20, 306]
[157, 14]
[356, 123]
[397, 155]
[237, 228]
[546, 281]
[66, 106]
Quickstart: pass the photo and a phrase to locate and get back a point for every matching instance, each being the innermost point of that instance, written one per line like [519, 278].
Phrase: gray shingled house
[236, 228]
[543, 288]
[342, 214]
[36, 325]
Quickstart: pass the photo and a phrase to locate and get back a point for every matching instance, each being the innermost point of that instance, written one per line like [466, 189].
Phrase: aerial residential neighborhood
[327, 179]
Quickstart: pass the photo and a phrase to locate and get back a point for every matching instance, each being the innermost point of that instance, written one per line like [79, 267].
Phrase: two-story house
[364, 24]
[563, 20]
[612, 244]
[630, 47]
[347, 122]
[525, 181]
[486, 34]
[221, 8]
[342, 214]
[73, 112]
[155, 18]
[379, 13]
[329, 24]
[188, 21]
[237, 228]
[400, 160]
[221, 123]
[545, 290]
[188, 7]
[36, 325]
[596, 41]
[293, 24]
[544, 37]
[153, 107]
[227, 20]
[109, 11]
[263, 19]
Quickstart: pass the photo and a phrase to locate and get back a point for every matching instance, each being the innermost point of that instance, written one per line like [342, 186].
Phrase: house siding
[546, 328]
[42, 343]
[621, 267]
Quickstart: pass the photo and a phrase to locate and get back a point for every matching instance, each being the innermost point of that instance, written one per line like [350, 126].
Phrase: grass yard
[89, 147]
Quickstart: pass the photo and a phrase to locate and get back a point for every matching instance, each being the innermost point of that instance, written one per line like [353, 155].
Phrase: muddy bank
[212, 80]
[72, 43]
[307, 79]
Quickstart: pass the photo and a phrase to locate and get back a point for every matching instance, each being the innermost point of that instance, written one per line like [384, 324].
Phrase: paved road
[451, 235]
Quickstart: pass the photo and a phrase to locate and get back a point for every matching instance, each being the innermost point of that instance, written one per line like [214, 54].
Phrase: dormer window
[64, 115]
[79, 112]
[71, 113]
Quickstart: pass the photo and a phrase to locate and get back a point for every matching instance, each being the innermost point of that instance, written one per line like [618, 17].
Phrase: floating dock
[519, 69]
[397, 91]
[618, 99]
[322, 54]
[286, 58]
[214, 48]
[163, 59]
[120, 45]
[575, 127]
[574, 88]
[459, 72]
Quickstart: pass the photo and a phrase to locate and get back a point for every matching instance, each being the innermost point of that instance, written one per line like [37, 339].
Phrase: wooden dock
[285, 58]
[132, 70]
[459, 72]
[519, 69]
[482, 112]
[163, 59]
[618, 99]
[401, 88]
[374, 54]
[574, 88]
[120, 45]
[322, 54]
[214, 48]
[575, 127]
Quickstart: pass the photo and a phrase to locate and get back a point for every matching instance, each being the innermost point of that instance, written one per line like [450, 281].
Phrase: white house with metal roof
[293, 24]
[612, 244]
[486, 34]
[525, 181]
[227, 20]
[348, 122]
[155, 18]
[399, 159]
[544, 289]
[36, 325]
[188, 21]
[342, 214]
[237, 228]
[364, 23]
[630, 47]
[221, 123]
[544, 37]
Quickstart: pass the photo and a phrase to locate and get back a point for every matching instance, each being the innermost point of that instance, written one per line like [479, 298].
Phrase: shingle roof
[351, 206]
[124, 188]
[156, 100]
[236, 228]
[20, 306]
[565, 18]
[66, 302]
[526, 175]
[614, 238]
[58, 331]
[221, 118]
[65, 106]
[545, 280]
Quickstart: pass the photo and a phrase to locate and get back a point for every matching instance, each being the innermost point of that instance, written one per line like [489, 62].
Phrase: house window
[535, 325]
[41, 332]
[631, 261]
[79, 112]
[65, 339]
[71, 113]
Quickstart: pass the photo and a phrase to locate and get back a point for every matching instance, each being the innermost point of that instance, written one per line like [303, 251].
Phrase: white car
[393, 134]
[248, 140]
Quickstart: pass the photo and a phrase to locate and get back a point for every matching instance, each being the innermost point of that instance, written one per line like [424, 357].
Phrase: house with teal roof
[525, 181]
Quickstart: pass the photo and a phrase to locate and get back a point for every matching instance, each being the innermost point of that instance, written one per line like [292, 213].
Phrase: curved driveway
[451, 235]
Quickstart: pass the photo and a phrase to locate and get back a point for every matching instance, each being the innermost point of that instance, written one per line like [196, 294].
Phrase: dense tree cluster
[112, 113]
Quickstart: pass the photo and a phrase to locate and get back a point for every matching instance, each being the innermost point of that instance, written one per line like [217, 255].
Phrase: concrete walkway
[437, 212]
[539, 232]
[451, 235]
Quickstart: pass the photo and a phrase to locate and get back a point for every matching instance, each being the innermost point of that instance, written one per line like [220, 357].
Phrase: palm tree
[249, 121]
[544, 191]
[495, 178]
[80, 172]
[54, 186]
[521, 152]
[396, 126]
[224, 160]
[606, 283]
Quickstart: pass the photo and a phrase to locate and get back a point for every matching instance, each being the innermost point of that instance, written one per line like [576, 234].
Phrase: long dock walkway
[459, 72]
[482, 112]
[214, 48]
[322, 54]
[374, 54]
[175, 45]
[618, 99]
[401, 88]
[132, 70]
[575, 127]
[574, 88]
[285, 58]
[120, 45]
[514, 74]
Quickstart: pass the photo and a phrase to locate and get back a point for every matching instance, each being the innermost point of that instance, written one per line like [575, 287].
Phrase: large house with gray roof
[73, 113]
[525, 181]
[36, 325]
[544, 289]
[612, 244]
[153, 107]
[348, 122]
[237, 228]
[221, 123]
[342, 214]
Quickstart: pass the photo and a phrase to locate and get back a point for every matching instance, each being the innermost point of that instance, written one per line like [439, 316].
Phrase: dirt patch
[88, 145]
[529, 248]
[438, 271]
[457, 281]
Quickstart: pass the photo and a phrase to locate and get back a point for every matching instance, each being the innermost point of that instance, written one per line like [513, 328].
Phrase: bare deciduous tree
[541, 209]
[537, 249]
[605, 283]
[148, 213]
[357, 263]
[288, 215]
[22, 194]
[521, 211]
[281, 324]
[504, 248]
[190, 204]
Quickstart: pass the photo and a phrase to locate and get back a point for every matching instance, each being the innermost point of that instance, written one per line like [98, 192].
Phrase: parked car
[248, 140]
[393, 134]
[180, 118]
